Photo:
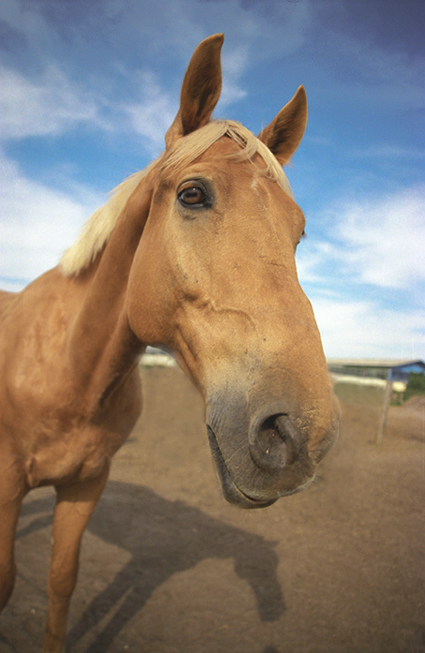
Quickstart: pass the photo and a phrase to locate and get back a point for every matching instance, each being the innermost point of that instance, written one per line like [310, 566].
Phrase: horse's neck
[102, 348]
[5, 299]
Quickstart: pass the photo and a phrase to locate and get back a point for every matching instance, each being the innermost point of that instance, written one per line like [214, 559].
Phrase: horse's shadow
[173, 537]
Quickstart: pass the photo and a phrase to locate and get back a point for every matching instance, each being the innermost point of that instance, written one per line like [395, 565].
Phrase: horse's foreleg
[74, 507]
[12, 491]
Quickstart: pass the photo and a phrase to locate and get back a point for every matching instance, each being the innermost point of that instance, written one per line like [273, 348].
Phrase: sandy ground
[168, 566]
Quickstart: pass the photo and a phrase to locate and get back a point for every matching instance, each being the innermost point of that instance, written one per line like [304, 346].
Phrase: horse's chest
[75, 457]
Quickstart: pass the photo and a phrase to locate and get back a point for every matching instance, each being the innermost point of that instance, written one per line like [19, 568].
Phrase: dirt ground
[168, 566]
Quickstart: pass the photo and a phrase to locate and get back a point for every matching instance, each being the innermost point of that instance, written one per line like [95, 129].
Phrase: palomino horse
[194, 254]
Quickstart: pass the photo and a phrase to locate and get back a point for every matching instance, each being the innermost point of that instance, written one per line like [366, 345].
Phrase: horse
[194, 254]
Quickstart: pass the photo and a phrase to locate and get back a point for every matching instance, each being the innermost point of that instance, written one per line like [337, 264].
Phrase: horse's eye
[193, 196]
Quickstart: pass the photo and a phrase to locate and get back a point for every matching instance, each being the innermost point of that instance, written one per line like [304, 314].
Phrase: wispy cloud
[234, 65]
[49, 105]
[365, 328]
[373, 244]
[40, 103]
[154, 113]
[375, 241]
[384, 239]
[38, 223]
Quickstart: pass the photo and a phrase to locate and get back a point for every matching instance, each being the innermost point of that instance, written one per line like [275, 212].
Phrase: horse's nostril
[275, 442]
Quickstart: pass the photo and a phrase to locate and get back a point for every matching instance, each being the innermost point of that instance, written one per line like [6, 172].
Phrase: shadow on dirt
[163, 537]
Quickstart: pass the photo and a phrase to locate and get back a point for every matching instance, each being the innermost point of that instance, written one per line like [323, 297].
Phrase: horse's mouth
[231, 491]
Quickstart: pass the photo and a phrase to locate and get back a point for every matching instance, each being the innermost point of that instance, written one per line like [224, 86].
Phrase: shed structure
[390, 369]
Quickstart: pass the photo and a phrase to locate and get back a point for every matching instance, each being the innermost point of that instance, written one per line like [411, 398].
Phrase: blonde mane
[97, 230]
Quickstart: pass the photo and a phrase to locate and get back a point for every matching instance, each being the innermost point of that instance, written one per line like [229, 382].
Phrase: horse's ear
[285, 132]
[200, 91]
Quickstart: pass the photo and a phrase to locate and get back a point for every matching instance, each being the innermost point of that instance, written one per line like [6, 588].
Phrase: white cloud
[153, 115]
[311, 257]
[37, 108]
[234, 65]
[377, 241]
[372, 247]
[364, 329]
[37, 224]
[384, 239]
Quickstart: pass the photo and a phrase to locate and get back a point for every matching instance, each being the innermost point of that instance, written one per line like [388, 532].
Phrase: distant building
[391, 369]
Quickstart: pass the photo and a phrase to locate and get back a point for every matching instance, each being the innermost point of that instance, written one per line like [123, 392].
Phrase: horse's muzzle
[266, 457]
[231, 491]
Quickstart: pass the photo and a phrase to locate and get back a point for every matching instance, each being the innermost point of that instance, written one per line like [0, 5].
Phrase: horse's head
[214, 280]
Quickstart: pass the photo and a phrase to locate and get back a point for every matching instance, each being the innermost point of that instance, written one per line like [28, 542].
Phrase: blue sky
[88, 90]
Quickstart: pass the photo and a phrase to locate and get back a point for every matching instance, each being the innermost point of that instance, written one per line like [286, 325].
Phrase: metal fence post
[385, 407]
